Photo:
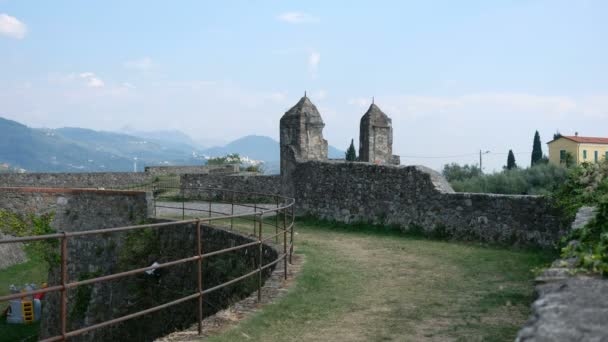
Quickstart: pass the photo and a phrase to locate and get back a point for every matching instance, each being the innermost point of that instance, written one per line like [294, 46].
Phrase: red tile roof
[588, 140]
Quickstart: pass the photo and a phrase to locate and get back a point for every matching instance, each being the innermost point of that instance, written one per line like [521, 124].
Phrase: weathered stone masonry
[417, 197]
[86, 209]
[74, 180]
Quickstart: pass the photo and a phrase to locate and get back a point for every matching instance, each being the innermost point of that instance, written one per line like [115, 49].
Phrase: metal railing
[283, 210]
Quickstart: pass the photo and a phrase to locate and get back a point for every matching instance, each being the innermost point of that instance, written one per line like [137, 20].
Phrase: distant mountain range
[73, 149]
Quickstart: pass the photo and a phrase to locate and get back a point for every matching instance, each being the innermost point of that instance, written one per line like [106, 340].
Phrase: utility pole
[481, 160]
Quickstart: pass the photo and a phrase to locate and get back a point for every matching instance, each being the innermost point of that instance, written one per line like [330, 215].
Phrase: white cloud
[12, 27]
[297, 18]
[313, 63]
[142, 64]
[91, 80]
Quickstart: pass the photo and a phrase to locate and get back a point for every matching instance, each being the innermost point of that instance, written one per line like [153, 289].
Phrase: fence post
[260, 259]
[255, 210]
[284, 241]
[199, 250]
[64, 281]
[232, 212]
[276, 224]
[293, 225]
[209, 207]
[183, 208]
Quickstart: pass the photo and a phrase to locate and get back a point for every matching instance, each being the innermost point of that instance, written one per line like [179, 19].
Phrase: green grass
[365, 283]
[35, 270]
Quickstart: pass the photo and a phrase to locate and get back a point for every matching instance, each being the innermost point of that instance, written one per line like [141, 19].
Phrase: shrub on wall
[586, 185]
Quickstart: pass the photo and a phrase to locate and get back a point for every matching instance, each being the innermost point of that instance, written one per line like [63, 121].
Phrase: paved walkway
[201, 208]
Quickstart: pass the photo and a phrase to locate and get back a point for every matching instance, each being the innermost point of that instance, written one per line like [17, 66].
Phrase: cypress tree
[537, 151]
[511, 161]
[351, 154]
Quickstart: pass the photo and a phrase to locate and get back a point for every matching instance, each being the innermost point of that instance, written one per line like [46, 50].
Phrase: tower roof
[376, 116]
[305, 108]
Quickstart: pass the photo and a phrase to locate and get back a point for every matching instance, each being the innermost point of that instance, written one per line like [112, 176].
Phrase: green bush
[586, 185]
[541, 179]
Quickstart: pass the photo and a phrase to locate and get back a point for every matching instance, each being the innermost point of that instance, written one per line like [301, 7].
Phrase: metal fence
[282, 208]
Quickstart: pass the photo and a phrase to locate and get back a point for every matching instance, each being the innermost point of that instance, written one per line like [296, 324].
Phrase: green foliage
[541, 179]
[143, 244]
[587, 185]
[537, 150]
[351, 154]
[233, 158]
[32, 225]
[455, 172]
[254, 168]
[569, 160]
[557, 135]
[82, 296]
[511, 160]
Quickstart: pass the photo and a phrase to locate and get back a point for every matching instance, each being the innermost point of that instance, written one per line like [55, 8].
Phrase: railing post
[255, 210]
[276, 223]
[293, 225]
[183, 208]
[64, 281]
[209, 208]
[260, 259]
[199, 250]
[232, 212]
[284, 241]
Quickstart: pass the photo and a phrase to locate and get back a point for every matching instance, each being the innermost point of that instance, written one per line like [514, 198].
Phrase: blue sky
[455, 76]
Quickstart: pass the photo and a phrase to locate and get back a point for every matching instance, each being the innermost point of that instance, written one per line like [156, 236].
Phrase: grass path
[359, 284]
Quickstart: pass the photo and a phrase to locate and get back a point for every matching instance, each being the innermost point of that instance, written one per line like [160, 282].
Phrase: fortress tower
[376, 137]
[301, 131]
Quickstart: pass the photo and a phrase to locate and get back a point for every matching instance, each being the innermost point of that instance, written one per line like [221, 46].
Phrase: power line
[461, 155]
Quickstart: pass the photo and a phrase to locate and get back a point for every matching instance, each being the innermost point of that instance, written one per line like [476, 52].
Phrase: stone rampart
[194, 184]
[75, 180]
[192, 169]
[415, 197]
[93, 256]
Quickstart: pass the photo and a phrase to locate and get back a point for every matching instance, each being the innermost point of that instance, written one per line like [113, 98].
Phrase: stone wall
[192, 184]
[415, 197]
[180, 170]
[569, 307]
[92, 256]
[11, 254]
[74, 180]
[79, 210]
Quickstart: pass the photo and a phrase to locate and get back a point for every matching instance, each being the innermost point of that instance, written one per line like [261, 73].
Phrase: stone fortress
[375, 190]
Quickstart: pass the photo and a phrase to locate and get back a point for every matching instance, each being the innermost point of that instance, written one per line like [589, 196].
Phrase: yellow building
[578, 149]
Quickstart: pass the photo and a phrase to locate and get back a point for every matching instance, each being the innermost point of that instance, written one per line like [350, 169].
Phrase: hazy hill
[40, 150]
[259, 148]
[72, 149]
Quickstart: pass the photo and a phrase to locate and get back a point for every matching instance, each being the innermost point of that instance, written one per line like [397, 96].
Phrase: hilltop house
[576, 149]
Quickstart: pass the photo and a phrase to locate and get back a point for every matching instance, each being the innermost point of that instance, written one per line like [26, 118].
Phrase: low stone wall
[74, 180]
[192, 169]
[570, 307]
[415, 197]
[194, 185]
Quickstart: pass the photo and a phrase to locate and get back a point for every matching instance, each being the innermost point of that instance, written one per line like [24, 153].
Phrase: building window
[584, 154]
[562, 155]
[595, 156]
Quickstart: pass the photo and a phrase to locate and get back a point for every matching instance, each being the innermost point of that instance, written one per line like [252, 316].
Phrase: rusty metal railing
[283, 208]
